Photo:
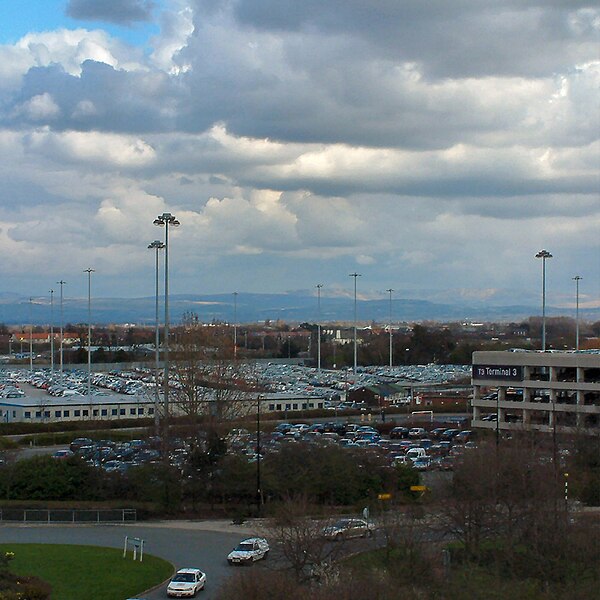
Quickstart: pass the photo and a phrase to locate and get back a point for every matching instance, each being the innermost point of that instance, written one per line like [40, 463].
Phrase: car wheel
[339, 536]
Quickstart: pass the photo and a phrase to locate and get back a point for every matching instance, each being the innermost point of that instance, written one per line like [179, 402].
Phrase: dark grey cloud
[120, 12]
[462, 38]
[102, 98]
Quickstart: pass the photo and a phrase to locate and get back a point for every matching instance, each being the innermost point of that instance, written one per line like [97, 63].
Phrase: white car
[186, 583]
[248, 551]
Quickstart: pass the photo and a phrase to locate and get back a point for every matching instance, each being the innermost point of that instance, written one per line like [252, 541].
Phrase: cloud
[120, 12]
[435, 145]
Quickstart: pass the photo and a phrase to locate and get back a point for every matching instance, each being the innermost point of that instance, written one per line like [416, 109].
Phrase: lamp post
[355, 275]
[235, 295]
[156, 245]
[30, 339]
[61, 283]
[166, 220]
[89, 348]
[577, 279]
[258, 482]
[390, 292]
[543, 254]
[319, 286]
[52, 334]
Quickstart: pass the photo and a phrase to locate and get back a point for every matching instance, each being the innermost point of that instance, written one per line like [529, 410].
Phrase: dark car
[436, 433]
[398, 433]
[463, 436]
[450, 434]
[78, 443]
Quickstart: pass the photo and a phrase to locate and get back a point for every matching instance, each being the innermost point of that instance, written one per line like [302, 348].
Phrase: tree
[300, 541]
[209, 383]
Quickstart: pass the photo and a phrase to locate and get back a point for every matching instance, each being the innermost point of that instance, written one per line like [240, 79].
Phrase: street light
[235, 295]
[577, 279]
[30, 339]
[258, 482]
[355, 275]
[52, 334]
[89, 348]
[543, 254]
[319, 286]
[165, 220]
[61, 283]
[156, 245]
[390, 292]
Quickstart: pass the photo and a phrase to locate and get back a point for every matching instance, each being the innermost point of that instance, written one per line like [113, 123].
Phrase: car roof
[189, 570]
[254, 539]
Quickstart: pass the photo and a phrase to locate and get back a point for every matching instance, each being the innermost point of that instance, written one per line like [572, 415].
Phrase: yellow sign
[384, 497]
[418, 488]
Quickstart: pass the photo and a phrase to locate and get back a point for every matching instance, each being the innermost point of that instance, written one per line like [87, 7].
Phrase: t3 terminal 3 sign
[498, 372]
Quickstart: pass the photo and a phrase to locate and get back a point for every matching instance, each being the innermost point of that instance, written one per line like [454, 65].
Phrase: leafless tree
[208, 382]
[300, 542]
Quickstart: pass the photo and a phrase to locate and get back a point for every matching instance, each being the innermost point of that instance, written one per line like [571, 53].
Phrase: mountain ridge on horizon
[253, 307]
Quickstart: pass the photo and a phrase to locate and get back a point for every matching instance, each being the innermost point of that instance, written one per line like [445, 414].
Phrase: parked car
[422, 463]
[186, 583]
[249, 551]
[416, 432]
[398, 433]
[348, 528]
[416, 453]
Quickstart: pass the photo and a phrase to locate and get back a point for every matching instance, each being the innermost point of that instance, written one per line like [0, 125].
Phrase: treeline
[211, 478]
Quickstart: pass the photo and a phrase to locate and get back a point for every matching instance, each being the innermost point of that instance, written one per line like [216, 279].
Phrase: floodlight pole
[391, 359]
[543, 254]
[156, 245]
[166, 220]
[89, 348]
[319, 286]
[577, 279]
[355, 275]
[61, 283]
[52, 335]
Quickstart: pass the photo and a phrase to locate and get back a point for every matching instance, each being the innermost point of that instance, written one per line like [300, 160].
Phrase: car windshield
[244, 547]
[183, 577]
[343, 523]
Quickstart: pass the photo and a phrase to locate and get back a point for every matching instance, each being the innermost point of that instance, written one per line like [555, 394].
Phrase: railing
[36, 515]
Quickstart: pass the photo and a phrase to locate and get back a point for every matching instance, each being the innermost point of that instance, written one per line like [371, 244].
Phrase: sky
[434, 147]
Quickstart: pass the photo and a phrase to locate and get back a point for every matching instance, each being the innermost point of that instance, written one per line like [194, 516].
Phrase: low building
[45, 409]
[543, 391]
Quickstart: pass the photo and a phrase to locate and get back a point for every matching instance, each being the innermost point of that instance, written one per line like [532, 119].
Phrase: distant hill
[292, 307]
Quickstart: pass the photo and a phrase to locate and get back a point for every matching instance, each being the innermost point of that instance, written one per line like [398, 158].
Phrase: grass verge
[76, 572]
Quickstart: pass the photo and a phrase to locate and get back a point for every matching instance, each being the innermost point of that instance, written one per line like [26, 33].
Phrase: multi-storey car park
[543, 391]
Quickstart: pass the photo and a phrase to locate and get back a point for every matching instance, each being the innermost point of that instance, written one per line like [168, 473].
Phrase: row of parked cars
[417, 447]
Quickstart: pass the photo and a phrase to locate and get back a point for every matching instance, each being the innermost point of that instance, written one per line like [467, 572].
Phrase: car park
[249, 551]
[186, 583]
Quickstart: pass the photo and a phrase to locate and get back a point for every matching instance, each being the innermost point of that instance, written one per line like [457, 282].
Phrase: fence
[34, 515]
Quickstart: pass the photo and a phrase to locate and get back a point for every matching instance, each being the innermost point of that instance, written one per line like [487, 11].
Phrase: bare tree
[208, 383]
[300, 542]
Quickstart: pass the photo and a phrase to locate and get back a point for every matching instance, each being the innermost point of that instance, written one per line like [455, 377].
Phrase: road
[185, 544]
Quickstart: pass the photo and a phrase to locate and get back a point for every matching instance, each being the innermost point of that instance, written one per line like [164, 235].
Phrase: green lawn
[77, 572]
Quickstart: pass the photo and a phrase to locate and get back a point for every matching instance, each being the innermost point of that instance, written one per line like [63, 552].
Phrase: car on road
[186, 583]
[249, 551]
[348, 528]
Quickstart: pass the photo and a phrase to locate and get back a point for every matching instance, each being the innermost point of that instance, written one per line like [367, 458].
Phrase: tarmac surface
[201, 544]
